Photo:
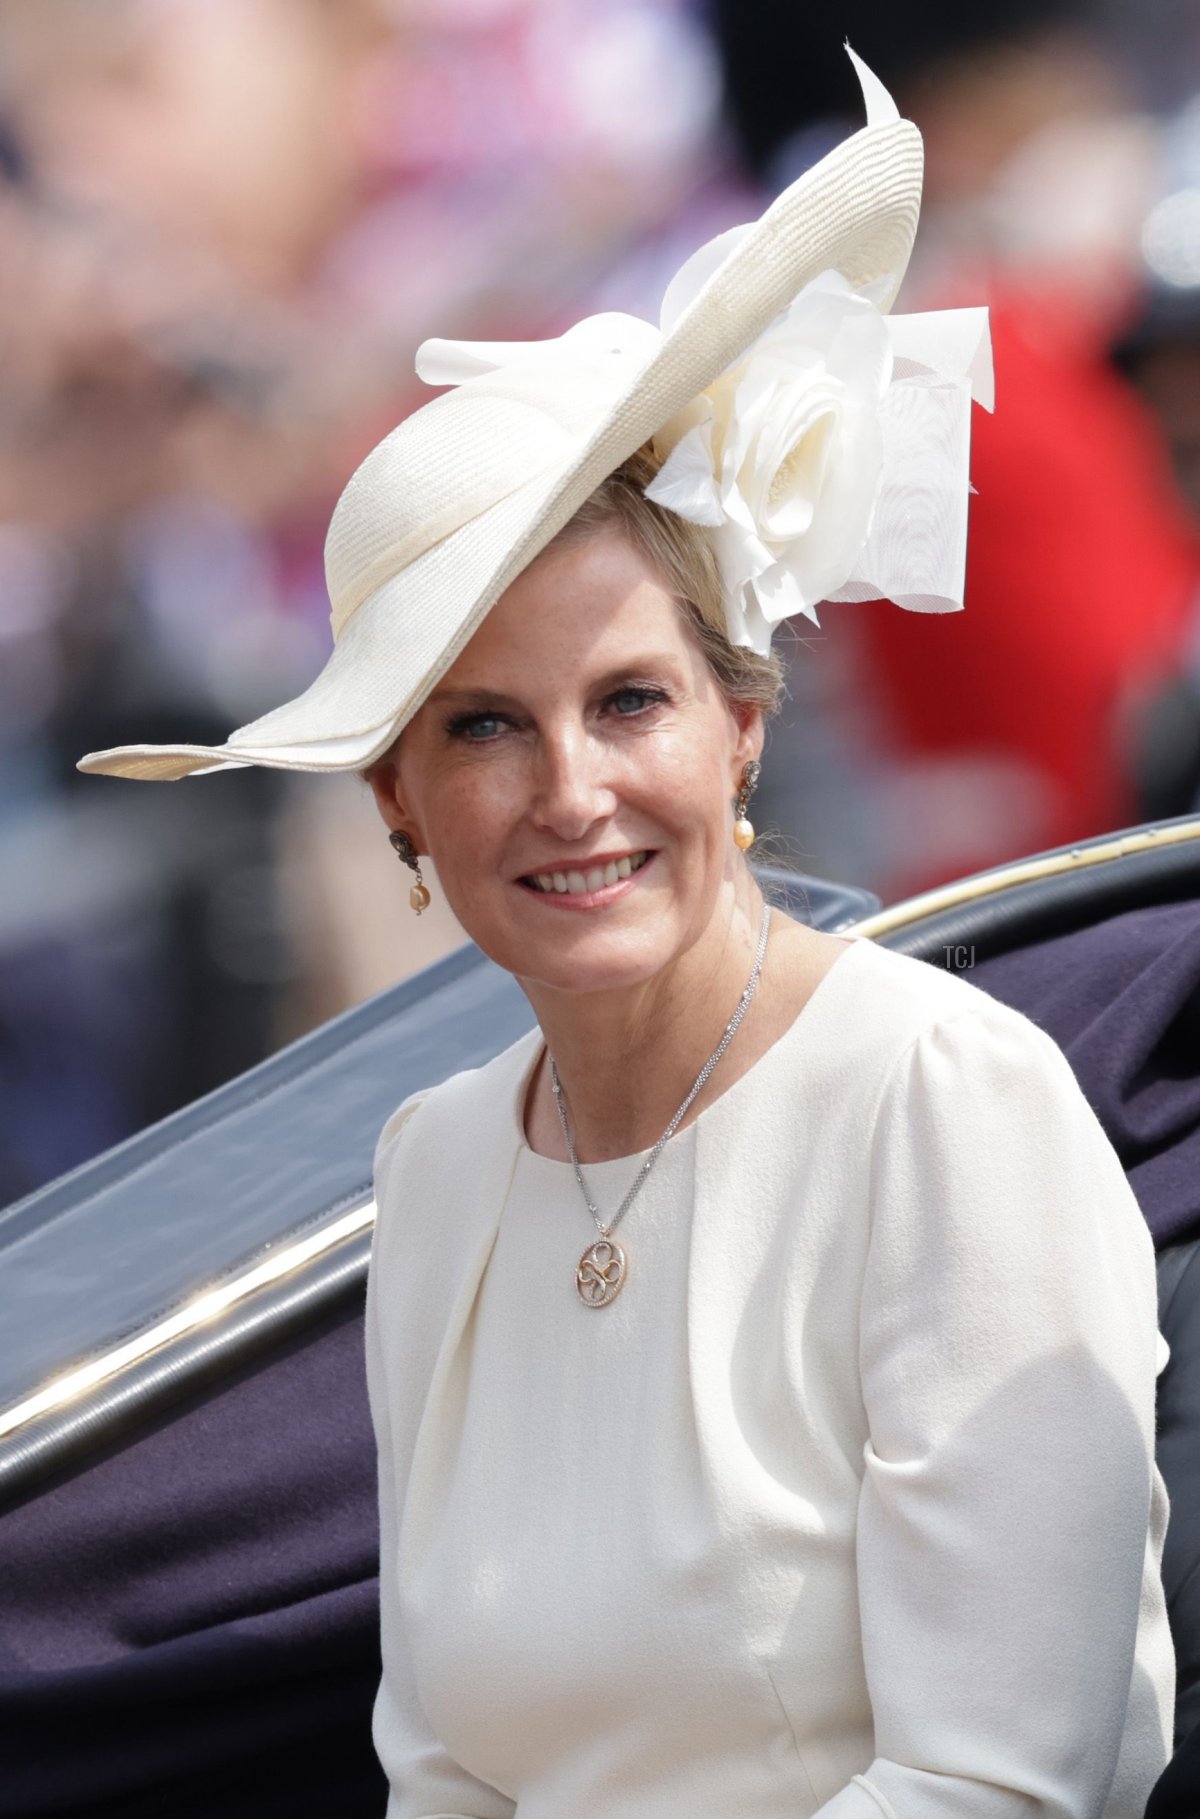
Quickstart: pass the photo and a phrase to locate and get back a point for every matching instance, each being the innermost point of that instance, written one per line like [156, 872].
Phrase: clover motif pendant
[600, 1273]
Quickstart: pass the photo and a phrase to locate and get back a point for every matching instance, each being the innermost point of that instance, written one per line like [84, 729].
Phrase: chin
[594, 974]
[587, 958]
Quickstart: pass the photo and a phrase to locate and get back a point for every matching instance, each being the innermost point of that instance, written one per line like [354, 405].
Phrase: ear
[751, 733]
[384, 780]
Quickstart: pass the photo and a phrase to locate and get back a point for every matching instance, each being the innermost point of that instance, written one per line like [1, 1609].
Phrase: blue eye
[629, 701]
[476, 729]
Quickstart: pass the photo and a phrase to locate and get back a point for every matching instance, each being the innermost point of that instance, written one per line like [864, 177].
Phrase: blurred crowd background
[224, 227]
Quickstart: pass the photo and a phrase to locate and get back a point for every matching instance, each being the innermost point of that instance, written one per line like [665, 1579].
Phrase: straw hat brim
[855, 212]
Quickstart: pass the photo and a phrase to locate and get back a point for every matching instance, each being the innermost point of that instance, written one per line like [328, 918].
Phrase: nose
[573, 790]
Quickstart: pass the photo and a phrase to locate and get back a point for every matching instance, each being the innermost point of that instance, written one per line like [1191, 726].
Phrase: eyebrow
[470, 697]
[637, 669]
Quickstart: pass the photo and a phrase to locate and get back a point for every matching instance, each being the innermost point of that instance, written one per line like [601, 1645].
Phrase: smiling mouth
[579, 883]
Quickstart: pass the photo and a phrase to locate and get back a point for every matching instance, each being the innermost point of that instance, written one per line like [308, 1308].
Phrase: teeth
[594, 879]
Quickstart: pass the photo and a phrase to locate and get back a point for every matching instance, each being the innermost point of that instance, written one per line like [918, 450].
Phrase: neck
[626, 1059]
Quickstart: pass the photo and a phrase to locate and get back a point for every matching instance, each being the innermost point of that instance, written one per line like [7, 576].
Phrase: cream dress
[845, 1506]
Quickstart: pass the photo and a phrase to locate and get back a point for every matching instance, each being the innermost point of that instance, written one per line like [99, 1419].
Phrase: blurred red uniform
[1081, 571]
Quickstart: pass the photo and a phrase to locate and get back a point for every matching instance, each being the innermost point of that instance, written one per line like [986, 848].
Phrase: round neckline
[800, 1022]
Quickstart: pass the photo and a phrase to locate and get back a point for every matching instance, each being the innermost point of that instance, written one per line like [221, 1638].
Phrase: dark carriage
[188, 1542]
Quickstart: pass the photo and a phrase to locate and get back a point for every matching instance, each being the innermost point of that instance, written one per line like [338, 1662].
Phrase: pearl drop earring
[743, 827]
[418, 896]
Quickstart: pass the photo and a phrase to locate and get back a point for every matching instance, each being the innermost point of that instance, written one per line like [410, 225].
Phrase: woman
[762, 1351]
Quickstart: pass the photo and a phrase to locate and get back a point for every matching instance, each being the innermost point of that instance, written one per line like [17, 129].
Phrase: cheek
[468, 813]
[684, 783]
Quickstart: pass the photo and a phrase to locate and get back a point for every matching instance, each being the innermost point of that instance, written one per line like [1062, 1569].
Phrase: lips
[577, 883]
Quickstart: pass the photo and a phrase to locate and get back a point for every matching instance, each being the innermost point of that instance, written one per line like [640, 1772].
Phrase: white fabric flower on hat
[830, 460]
[784, 455]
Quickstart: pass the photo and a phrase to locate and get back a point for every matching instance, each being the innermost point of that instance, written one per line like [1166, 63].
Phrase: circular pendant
[600, 1273]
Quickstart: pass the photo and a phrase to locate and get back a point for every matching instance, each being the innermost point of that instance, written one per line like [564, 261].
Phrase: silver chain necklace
[601, 1271]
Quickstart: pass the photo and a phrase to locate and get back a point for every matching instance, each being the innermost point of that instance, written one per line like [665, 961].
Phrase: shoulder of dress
[904, 999]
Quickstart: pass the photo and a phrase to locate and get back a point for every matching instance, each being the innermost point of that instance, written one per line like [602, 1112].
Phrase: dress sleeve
[424, 1781]
[1008, 1352]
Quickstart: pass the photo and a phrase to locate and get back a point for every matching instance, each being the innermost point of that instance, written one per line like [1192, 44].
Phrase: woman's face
[572, 773]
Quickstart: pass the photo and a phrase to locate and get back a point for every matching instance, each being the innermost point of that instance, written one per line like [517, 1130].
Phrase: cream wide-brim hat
[450, 507]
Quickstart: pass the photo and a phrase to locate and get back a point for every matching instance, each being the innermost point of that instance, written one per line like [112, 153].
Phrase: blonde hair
[684, 556]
